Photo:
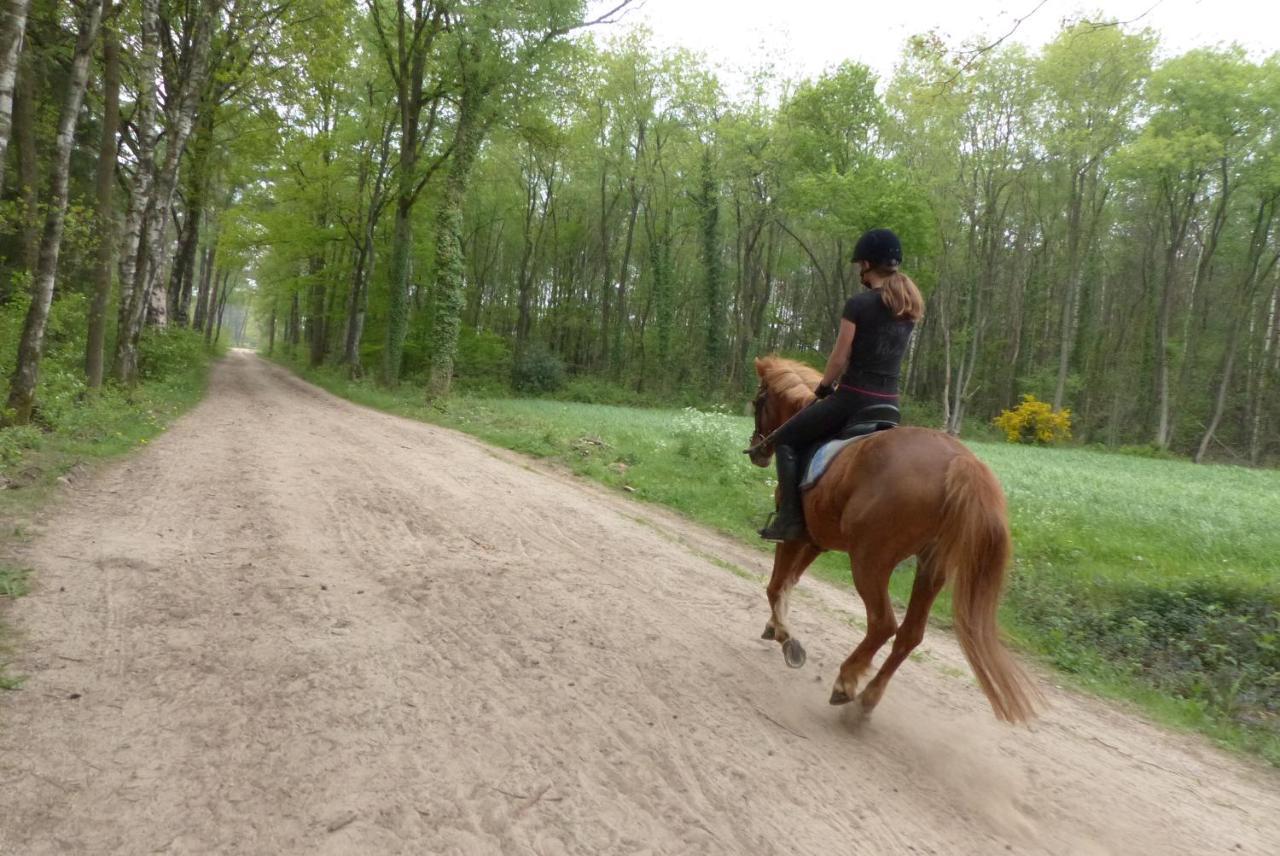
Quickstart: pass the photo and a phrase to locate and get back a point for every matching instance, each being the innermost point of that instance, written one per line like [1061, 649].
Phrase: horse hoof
[793, 653]
[769, 632]
[839, 697]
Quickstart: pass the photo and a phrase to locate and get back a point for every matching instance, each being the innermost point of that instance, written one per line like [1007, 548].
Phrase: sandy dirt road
[293, 625]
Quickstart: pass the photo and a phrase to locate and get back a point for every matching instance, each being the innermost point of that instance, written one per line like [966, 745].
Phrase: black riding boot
[788, 523]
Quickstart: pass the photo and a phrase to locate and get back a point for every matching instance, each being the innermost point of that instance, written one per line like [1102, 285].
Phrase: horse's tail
[973, 549]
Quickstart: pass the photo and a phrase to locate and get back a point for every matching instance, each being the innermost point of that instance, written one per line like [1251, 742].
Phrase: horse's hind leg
[928, 582]
[789, 562]
[872, 583]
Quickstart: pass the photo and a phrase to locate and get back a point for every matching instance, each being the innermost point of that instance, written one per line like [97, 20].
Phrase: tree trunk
[185, 270]
[24, 128]
[315, 311]
[105, 218]
[619, 328]
[26, 373]
[449, 262]
[713, 273]
[1269, 365]
[202, 295]
[398, 303]
[12, 30]
[211, 318]
[144, 303]
[227, 285]
[1224, 384]
[295, 323]
[356, 306]
[144, 118]
[606, 267]
[1074, 266]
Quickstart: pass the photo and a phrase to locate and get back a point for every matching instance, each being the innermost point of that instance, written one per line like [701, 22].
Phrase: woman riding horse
[862, 370]
[889, 496]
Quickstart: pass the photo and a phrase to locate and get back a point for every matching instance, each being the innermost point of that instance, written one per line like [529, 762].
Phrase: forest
[528, 196]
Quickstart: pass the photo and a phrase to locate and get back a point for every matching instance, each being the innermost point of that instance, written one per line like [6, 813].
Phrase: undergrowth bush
[483, 360]
[168, 352]
[538, 370]
[171, 363]
[1212, 642]
[1034, 421]
[708, 437]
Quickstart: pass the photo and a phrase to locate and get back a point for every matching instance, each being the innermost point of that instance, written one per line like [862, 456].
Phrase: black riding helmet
[879, 247]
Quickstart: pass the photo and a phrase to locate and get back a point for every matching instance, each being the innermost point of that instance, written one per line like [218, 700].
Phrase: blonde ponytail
[900, 294]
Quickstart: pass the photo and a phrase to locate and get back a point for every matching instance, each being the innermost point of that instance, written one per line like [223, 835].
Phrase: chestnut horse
[889, 496]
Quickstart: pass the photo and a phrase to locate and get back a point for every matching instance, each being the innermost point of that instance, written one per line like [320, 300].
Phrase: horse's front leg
[790, 559]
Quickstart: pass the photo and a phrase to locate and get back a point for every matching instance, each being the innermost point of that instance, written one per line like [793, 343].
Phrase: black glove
[823, 390]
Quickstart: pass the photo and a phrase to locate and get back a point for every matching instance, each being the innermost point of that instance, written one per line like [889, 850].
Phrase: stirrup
[794, 531]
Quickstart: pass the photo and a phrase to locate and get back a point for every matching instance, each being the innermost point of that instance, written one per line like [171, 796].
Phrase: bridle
[757, 406]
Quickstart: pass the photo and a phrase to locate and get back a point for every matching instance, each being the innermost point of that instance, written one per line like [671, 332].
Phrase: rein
[758, 438]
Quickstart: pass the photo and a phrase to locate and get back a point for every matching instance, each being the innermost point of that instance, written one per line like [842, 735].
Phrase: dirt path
[294, 625]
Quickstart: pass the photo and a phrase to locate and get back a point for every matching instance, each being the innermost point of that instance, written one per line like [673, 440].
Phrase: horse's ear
[760, 367]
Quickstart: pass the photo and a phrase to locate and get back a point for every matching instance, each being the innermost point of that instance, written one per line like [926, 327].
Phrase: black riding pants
[824, 418]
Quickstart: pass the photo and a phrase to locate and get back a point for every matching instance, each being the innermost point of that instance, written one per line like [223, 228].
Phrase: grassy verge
[76, 431]
[1151, 581]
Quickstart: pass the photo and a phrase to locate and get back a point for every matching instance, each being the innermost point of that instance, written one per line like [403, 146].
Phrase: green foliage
[1034, 421]
[484, 359]
[1210, 641]
[13, 584]
[168, 352]
[708, 437]
[16, 440]
[71, 424]
[538, 370]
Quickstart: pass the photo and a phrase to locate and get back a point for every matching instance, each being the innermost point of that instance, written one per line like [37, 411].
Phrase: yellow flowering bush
[1034, 421]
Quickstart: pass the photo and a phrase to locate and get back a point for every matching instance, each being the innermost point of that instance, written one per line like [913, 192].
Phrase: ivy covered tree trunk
[22, 389]
[714, 350]
[449, 262]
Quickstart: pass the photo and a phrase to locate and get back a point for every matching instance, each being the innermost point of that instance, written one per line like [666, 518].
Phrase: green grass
[13, 585]
[76, 431]
[1155, 582]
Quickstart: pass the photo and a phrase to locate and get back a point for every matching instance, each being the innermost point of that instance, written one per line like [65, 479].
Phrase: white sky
[806, 36]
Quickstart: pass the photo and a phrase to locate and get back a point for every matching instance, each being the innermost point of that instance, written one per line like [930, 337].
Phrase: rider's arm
[839, 359]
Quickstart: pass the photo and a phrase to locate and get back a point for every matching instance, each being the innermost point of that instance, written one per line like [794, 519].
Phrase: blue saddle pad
[822, 458]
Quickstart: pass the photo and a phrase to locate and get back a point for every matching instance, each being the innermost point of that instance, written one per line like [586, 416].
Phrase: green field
[1155, 581]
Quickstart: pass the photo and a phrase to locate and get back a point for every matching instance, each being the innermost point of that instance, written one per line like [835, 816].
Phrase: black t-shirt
[879, 343]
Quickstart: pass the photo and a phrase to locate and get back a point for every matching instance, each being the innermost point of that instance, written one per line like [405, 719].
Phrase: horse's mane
[793, 382]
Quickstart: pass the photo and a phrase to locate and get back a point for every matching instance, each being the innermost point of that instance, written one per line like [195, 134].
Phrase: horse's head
[786, 387]
[757, 451]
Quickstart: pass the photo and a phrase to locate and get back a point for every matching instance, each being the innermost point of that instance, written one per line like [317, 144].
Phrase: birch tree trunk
[145, 301]
[26, 373]
[140, 190]
[12, 30]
